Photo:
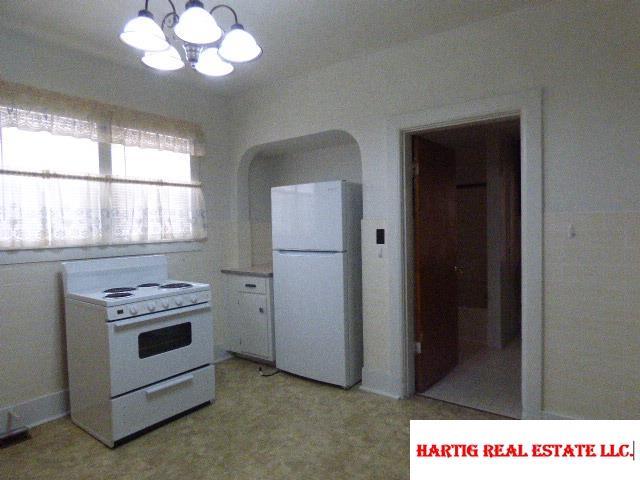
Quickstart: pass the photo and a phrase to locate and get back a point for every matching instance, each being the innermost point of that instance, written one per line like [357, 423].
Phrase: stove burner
[148, 285]
[176, 285]
[118, 295]
[119, 290]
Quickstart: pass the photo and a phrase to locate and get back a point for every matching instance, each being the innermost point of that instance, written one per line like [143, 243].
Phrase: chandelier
[208, 49]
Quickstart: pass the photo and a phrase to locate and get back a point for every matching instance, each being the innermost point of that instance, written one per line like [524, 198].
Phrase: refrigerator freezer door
[309, 305]
[308, 217]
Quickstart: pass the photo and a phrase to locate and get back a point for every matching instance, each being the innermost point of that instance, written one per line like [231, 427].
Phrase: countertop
[253, 271]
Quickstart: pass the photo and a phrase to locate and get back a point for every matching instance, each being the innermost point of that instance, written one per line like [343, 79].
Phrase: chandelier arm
[169, 15]
[222, 5]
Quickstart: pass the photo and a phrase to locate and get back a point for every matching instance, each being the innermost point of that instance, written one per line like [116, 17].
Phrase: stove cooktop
[168, 286]
[145, 291]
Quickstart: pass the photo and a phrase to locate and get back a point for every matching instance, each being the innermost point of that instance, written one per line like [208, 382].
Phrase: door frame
[528, 107]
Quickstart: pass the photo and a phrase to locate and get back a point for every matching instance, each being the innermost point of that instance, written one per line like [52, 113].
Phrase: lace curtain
[42, 210]
[40, 110]
[55, 124]
[65, 211]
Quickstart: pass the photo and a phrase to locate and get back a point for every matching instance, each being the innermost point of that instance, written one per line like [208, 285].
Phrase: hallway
[485, 379]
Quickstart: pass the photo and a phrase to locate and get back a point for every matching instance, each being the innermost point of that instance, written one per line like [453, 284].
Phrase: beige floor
[485, 378]
[258, 428]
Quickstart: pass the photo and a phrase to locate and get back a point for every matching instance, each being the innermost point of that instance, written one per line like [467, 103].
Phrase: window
[149, 164]
[42, 151]
[62, 191]
[158, 212]
[76, 172]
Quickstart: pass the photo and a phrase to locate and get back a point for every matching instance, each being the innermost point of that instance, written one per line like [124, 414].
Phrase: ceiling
[296, 35]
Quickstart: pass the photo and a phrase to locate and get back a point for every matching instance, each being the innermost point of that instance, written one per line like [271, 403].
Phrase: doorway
[467, 264]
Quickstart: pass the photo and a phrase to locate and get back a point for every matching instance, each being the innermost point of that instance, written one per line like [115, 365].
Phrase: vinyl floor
[277, 427]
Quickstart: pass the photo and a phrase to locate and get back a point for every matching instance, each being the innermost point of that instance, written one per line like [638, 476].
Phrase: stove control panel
[156, 305]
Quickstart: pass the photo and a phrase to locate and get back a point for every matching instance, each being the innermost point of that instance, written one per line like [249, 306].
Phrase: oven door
[153, 347]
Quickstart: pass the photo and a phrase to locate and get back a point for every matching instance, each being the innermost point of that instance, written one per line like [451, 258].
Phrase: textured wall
[585, 57]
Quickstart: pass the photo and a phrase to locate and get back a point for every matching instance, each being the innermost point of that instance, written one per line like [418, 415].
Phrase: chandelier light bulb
[239, 46]
[143, 33]
[210, 64]
[196, 25]
[166, 60]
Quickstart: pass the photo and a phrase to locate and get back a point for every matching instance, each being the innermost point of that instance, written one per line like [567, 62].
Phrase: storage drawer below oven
[145, 407]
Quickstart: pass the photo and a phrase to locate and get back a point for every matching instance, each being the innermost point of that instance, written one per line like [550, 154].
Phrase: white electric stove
[139, 345]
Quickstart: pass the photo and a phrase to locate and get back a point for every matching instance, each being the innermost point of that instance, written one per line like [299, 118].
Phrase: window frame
[55, 254]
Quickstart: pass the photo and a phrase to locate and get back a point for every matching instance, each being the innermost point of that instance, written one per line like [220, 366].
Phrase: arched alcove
[329, 155]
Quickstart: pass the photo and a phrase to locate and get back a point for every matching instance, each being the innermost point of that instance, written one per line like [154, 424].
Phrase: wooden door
[434, 216]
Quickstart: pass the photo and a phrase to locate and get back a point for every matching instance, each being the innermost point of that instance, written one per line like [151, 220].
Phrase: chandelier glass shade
[166, 60]
[197, 26]
[239, 46]
[212, 65]
[143, 33]
[207, 47]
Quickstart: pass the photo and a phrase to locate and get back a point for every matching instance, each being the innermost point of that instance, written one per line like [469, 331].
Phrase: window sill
[10, 257]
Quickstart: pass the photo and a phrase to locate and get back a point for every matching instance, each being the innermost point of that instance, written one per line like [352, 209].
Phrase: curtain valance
[34, 109]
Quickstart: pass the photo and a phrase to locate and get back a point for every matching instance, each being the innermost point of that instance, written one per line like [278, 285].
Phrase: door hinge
[418, 348]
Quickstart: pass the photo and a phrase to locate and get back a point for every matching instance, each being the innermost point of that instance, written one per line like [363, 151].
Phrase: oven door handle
[168, 384]
[150, 317]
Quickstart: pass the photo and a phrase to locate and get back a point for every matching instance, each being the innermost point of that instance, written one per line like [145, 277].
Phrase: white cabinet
[248, 319]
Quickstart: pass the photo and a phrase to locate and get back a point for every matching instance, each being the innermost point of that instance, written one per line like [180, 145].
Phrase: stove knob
[194, 299]
[151, 306]
[178, 301]
[165, 303]
[133, 310]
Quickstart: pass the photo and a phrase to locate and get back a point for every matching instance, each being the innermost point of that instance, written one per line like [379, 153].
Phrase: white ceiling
[296, 35]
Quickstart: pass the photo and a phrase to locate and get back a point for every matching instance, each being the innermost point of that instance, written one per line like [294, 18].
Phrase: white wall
[32, 344]
[585, 57]
[333, 162]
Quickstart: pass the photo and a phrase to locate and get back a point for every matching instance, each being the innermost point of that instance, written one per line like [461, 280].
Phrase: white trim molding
[36, 411]
[380, 383]
[528, 107]
[221, 355]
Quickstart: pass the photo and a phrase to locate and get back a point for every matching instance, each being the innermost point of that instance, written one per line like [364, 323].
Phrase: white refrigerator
[317, 280]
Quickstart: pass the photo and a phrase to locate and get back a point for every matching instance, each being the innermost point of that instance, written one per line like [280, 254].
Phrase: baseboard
[556, 416]
[51, 407]
[34, 412]
[375, 381]
[221, 356]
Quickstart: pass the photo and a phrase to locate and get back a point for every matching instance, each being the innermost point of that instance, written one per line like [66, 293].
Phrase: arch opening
[325, 156]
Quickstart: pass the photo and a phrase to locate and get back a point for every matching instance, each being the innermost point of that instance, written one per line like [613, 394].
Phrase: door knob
[261, 310]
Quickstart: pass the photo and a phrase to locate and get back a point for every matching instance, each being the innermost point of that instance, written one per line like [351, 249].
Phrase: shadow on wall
[330, 155]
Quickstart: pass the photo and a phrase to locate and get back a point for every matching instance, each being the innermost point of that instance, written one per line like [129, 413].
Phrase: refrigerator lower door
[309, 307]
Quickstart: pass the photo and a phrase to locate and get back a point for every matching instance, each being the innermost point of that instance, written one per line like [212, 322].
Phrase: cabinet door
[255, 324]
[232, 321]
